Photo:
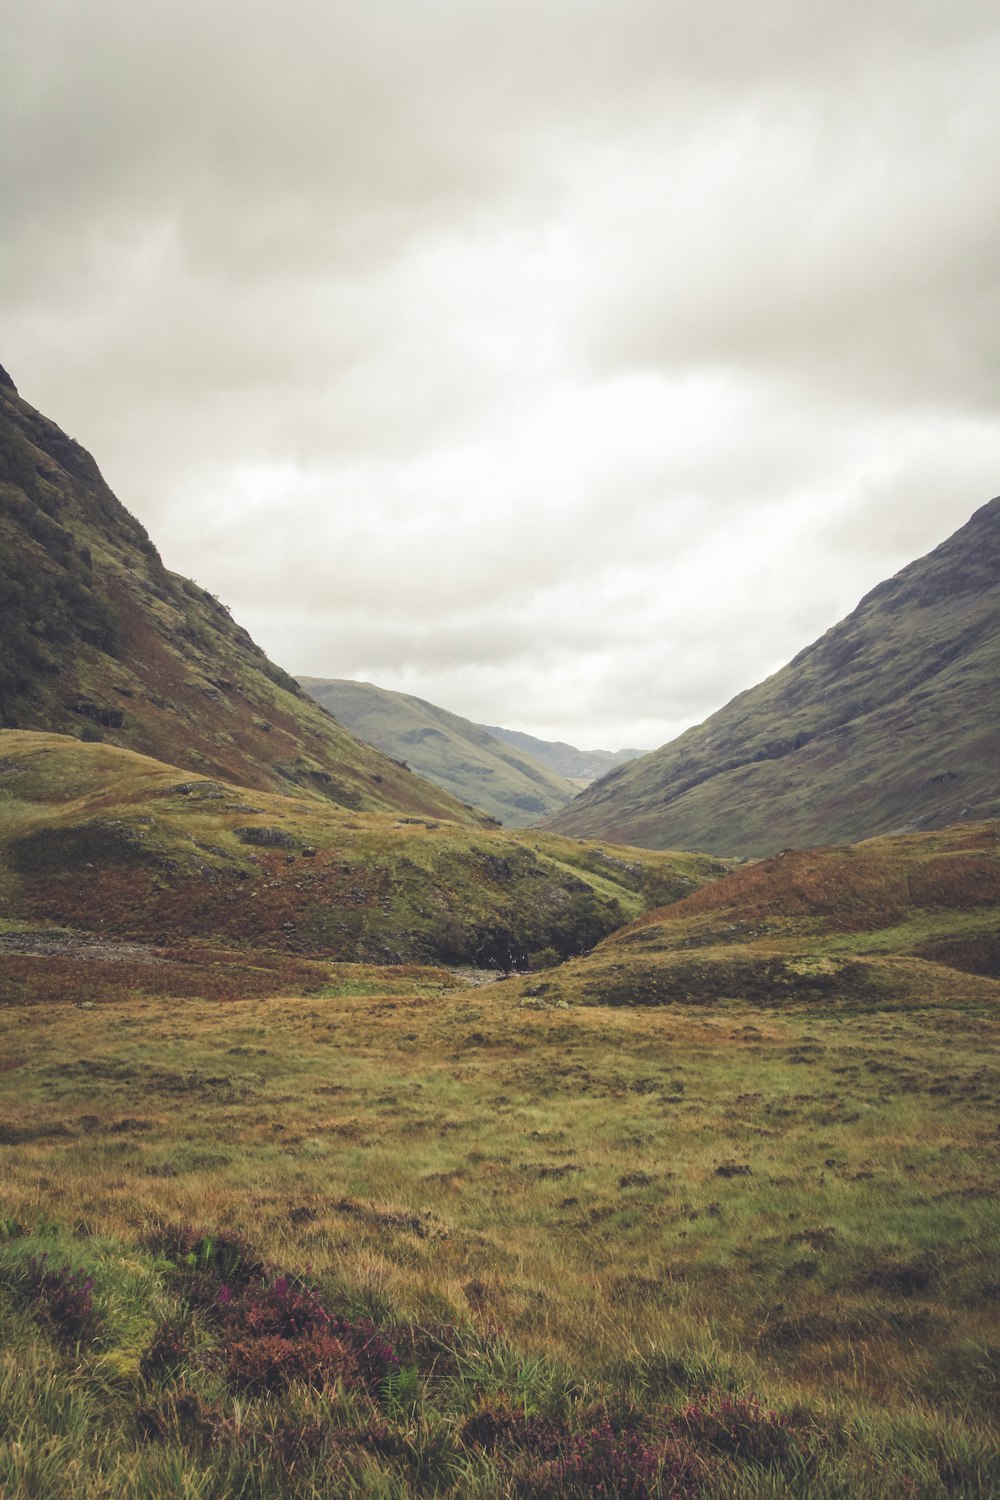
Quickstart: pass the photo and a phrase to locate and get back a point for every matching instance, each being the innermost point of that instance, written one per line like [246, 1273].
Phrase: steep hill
[100, 641]
[101, 841]
[890, 721]
[891, 922]
[579, 766]
[465, 759]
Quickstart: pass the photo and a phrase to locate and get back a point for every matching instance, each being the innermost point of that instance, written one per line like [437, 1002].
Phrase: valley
[354, 1145]
[472, 763]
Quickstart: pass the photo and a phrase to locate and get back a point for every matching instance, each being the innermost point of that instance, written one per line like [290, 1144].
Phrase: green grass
[547, 1209]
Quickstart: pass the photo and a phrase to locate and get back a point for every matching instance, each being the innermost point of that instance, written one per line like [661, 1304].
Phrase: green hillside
[890, 721]
[98, 840]
[101, 642]
[464, 758]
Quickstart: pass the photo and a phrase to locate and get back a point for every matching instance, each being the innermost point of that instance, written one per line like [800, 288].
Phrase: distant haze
[569, 366]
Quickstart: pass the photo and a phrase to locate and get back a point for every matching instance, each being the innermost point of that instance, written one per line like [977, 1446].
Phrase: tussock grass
[542, 1209]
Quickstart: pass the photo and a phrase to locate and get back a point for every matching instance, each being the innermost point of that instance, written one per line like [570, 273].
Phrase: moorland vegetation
[405, 1238]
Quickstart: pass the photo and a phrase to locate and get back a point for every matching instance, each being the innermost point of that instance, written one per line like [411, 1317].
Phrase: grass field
[591, 1236]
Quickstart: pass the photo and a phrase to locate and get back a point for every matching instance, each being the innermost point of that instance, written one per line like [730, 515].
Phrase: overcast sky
[571, 363]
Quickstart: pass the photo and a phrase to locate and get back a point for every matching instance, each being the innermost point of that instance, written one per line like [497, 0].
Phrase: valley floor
[593, 1237]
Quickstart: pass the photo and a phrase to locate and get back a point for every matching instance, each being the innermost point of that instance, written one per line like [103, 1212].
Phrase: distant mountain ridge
[466, 759]
[580, 766]
[890, 721]
[101, 641]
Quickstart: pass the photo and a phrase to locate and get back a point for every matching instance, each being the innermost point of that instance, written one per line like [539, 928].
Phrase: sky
[570, 364]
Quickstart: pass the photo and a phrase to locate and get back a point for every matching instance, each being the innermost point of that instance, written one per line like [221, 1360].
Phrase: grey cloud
[847, 239]
[572, 366]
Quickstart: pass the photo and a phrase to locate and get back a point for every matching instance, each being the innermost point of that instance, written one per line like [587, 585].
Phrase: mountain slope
[891, 720]
[463, 758]
[101, 641]
[579, 766]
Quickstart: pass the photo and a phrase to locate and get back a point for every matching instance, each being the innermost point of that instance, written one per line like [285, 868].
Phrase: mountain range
[466, 759]
[580, 767]
[162, 782]
[889, 722]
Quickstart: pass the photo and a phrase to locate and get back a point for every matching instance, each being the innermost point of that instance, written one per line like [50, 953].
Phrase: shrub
[188, 1417]
[737, 1428]
[493, 1427]
[279, 1333]
[281, 1309]
[168, 1350]
[269, 1362]
[606, 1458]
[62, 1298]
[375, 1358]
[207, 1261]
[622, 1464]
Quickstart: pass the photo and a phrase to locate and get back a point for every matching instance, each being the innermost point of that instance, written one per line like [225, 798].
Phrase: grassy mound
[890, 922]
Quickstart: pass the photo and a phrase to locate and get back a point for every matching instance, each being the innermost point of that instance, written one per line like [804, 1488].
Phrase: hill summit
[889, 722]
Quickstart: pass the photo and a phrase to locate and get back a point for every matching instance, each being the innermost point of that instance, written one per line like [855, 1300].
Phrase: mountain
[890, 923]
[579, 766]
[890, 721]
[101, 641]
[465, 759]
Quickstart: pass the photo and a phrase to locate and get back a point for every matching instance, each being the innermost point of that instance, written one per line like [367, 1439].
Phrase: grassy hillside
[579, 766]
[463, 758]
[883, 924]
[102, 642]
[108, 843]
[891, 720]
[414, 1241]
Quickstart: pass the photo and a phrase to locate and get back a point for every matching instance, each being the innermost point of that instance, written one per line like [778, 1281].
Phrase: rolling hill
[891, 721]
[102, 842]
[101, 641]
[467, 760]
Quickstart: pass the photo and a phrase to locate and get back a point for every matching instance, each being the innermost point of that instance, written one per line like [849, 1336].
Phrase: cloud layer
[570, 365]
